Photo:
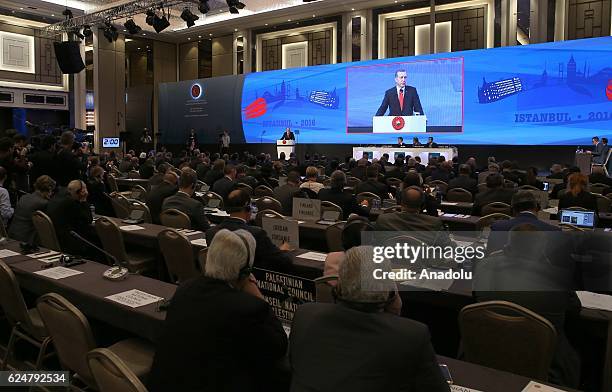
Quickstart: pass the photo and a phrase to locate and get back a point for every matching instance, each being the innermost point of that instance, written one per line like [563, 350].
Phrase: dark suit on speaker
[336, 348]
[288, 136]
[192, 207]
[412, 103]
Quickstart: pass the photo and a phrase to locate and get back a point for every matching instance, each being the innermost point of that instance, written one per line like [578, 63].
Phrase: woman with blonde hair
[577, 194]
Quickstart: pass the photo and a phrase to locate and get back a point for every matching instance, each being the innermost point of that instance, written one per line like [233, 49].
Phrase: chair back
[598, 187]
[459, 195]
[442, 186]
[324, 290]
[497, 207]
[394, 182]
[245, 187]
[329, 206]
[121, 205]
[267, 213]
[12, 302]
[70, 331]
[46, 231]
[352, 181]
[268, 203]
[603, 203]
[112, 239]
[175, 218]
[3, 233]
[482, 187]
[528, 188]
[309, 193]
[202, 258]
[510, 184]
[136, 205]
[138, 193]
[111, 374]
[487, 220]
[333, 236]
[262, 191]
[112, 183]
[369, 196]
[505, 336]
[392, 209]
[133, 174]
[178, 254]
[210, 195]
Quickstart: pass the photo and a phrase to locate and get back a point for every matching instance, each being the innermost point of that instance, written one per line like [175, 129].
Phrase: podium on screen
[399, 124]
[286, 146]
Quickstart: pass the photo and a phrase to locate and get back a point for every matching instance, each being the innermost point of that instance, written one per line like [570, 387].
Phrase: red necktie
[401, 98]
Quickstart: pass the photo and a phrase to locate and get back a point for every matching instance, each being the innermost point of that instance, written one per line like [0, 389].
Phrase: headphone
[248, 265]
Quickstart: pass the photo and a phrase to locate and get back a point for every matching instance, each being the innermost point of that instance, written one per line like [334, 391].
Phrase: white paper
[537, 387]
[50, 259]
[199, 242]
[220, 213]
[551, 210]
[314, 256]
[131, 227]
[188, 232]
[448, 215]
[134, 298]
[7, 253]
[449, 203]
[58, 272]
[300, 222]
[459, 388]
[45, 254]
[595, 301]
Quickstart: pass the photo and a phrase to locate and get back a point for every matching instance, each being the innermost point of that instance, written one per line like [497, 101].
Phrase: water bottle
[375, 204]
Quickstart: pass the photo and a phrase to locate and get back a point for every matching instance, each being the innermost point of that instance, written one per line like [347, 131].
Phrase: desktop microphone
[117, 271]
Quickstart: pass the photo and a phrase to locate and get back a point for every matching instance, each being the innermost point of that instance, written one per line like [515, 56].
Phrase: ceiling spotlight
[67, 13]
[76, 32]
[87, 31]
[188, 17]
[150, 17]
[110, 32]
[204, 7]
[160, 24]
[132, 27]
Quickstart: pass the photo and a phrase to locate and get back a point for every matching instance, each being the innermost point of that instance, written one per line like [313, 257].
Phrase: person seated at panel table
[345, 200]
[357, 344]
[495, 192]
[597, 152]
[21, 228]
[416, 142]
[371, 184]
[267, 256]
[400, 142]
[577, 194]
[464, 180]
[431, 143]
[184, 202]
[70, 212]
[225, 185]
[220, 334]
[523, 274]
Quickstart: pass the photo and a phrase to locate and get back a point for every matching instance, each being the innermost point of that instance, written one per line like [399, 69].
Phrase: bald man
[70, 211]
[157, 195]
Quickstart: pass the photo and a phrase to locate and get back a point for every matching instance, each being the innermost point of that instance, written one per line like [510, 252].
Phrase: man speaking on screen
[401, 100]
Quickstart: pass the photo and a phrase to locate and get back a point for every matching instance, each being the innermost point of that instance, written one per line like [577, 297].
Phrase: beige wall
[164, 70]
[223, 56]
[188, 61]
[138, 68]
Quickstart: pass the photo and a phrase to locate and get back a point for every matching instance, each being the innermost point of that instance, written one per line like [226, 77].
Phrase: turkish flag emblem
[284, 142]
[609, 90]
[398, 123]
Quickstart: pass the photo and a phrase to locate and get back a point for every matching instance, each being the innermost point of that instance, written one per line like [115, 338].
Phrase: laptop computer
[212, 205]
[136, 216]
[203, 187]
[329, 217]
[584, 219]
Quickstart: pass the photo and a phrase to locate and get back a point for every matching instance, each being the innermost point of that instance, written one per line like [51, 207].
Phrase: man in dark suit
[267, 255]
[157, 178]
[220, 334]
[155, 197]
[463, 180]
[431, 143]
[226, 184]
[400, 142]
[215, 173]
[285, 193]
[67, 166]
[340, 346]
[401, 100]
[287, 135]
[21, 228]
[183, 202]
[345, 200]
[597, 152]
[372, 184]
[495, 192]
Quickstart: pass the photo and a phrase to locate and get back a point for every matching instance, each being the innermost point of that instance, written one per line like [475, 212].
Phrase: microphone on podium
[117, 271]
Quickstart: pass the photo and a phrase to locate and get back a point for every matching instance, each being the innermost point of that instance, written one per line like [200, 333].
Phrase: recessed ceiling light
[265, 24]
[52, 14]
[124, 30]
[235, 29]
[352, 9]
[20, 8]
[199, 36]
[210, 34]
[189, 38]
[143, 34]
[314, 16]
[138, 48]
[288, 20]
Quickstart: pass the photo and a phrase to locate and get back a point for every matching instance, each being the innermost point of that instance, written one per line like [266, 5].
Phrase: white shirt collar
[398, 88]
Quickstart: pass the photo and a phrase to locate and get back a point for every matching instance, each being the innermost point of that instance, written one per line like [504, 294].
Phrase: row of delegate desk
[88, 290]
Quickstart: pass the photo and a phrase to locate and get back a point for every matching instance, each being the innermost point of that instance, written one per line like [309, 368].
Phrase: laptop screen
[578, 218]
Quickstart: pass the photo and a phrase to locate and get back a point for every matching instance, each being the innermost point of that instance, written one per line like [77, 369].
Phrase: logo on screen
[255, 109]
[196, 91]
[609, 90]
[398, 123]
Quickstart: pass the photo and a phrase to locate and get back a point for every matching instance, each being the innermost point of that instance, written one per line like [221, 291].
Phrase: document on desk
[58, 272]
[313, 256]
[448, 203]
[134, 298]
[448, 215]
[459, 388]
[595, 301]
[537, 387]
[43, 254]
[131, 228]
[199, 242]
[188, 232]
[551, 210]
[7, 253]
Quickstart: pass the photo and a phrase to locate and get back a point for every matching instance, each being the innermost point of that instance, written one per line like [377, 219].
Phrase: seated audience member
[429, 228]
[464, 180]
[495, 192]
[556, 191]
[225, 185]
[242, 177]
[531, 178]
[6, 210]
[397, 170]
[220, 334]
[267, 255]
[360, 170]
[98, 194]
[525, 208]
[70, 211]
[312, 183]
[321, 362]
[372, 184]
[126, 164]
[184, 202]
[157, 178]
[598, 176]
[351, 237]
[443, 172]
[68, 166]
[146, 169]
[491, 169]
[22, 229]
[577, 194]
[156, 196]
[556, 172]
[364, 161]
[337, 195]
[413, 178]
[419, 166]
[523, 274]
[285, 193]
[215, 173]
[510, 172]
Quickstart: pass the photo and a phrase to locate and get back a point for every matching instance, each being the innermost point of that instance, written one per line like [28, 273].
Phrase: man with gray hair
[219, 334]
[339, 347]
